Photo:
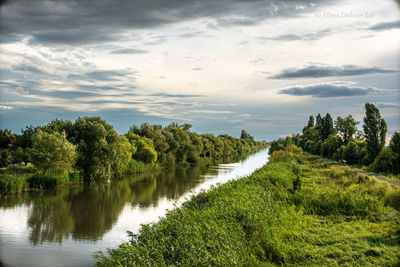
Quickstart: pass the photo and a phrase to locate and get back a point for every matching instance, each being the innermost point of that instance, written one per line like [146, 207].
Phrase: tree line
[341, 140]
[92, 146]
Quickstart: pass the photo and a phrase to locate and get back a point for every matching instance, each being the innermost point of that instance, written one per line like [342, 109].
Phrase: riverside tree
[96, 142]
[346, 128]
[52, 151]
[375, 129]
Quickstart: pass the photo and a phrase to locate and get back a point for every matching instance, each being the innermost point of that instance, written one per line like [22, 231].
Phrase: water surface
[65, 227]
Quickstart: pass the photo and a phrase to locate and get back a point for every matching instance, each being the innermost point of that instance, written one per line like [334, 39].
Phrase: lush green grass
[13, 183]
[285, 213]
[20, 179]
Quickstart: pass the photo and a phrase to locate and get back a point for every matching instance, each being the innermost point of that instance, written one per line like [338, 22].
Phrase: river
[64, 227]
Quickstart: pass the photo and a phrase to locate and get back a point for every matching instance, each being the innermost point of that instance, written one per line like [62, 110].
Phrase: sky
[220, 65]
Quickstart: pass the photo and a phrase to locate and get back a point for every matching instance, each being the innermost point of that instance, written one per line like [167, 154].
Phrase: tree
[18, 155]
[327, 126]
[375, 129]
[5, 158]
[330, 146]
[6, 138]
[384, 161]
[346, 128]
[310, 122]
[395, 148]
[144, 148]
[245, 135]
[52, 151]
[96, 145]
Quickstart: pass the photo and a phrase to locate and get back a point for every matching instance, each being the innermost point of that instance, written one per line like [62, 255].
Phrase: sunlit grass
[314, 214]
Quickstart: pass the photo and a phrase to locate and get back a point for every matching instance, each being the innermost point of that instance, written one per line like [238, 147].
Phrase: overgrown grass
[13, 183]
[17, 180]
[135, 167]
[313, 214]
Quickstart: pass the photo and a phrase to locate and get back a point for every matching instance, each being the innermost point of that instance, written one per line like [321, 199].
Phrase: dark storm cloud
[329, 71]
[88, 21]
[325, 90]
[386, 26]
[129, 51]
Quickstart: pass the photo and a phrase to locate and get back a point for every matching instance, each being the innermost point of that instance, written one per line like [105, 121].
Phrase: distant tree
[375, 129]
[186, 126]
[245, 135]
[395, 143]
[52, 151]
[330, 146]
[18, 155]
[346, 128]
[319, 125]
[24, 140]
[58, 126]
[327, 126]
[5, 158]
[395, 148]
[310, 121]
[384, 161]
[6, 138]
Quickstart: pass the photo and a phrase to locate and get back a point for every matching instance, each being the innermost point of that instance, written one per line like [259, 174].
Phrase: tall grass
[276, 216]
[13, 183]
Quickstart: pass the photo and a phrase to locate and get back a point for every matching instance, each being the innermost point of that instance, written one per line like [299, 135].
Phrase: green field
[302, 212]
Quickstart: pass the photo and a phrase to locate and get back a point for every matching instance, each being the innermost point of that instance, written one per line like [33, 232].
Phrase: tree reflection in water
[87, 212]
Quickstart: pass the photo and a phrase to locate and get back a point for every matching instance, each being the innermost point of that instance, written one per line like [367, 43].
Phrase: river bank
[307, 212]
[69, 224]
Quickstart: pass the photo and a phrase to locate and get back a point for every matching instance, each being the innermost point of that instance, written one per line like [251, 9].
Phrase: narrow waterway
[65, 227]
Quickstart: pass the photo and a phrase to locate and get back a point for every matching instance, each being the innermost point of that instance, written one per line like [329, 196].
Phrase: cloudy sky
[221, 65]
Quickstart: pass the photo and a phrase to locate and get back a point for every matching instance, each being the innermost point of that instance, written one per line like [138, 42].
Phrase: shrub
[13, 183]
[281, 156]
[45, 181]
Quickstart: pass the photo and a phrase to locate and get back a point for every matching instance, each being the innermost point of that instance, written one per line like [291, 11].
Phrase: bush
[282, 156]
[13, 183]
[349, 203]
[46, 181]
[384, 161]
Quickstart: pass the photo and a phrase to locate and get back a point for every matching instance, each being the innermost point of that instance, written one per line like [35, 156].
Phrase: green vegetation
[297, 210]
[344, 142]
[89, 149]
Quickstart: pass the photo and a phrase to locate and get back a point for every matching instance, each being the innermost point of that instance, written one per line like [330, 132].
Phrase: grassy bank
[301, 212]
[21, 179]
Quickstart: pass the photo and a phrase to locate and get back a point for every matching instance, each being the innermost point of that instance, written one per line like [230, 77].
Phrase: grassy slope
[337, 217]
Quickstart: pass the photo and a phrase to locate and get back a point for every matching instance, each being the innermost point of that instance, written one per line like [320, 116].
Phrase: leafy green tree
[394, 146]
[384, 161]
[18, 155]
[245, 135]
[310, 122]
[375, 129]
[24, 140]
[52, 152]
[327, 126]
[330, 146]
[95, 140]
[6, 138]
[122, 154]
[346, 128]
[5, 158]
[144, 148]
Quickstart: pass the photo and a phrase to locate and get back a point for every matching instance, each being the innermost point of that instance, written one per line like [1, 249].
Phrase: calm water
[65, 227]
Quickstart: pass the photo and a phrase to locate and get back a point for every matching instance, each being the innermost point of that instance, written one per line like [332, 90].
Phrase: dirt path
[357, 170]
